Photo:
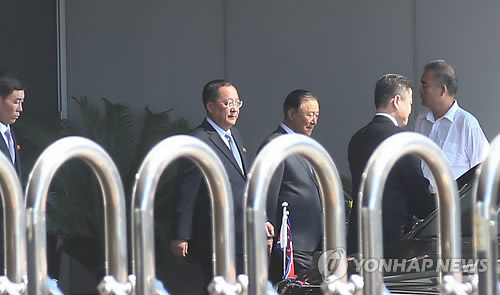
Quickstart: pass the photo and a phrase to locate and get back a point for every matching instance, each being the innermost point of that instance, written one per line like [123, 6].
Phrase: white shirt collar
[388, 116]
[288, 130]
[219, 130]
[4, 128]
[450, 114]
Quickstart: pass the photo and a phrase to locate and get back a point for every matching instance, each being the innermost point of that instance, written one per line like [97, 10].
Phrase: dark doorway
[29, 48]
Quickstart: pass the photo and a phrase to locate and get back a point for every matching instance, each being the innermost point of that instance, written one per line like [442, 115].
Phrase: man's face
[224, 116]
[429, 91]
[11, 107]
[404, 111]
[305, 119]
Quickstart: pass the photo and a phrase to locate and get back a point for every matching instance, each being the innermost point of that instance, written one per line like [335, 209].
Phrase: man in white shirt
[454, 130]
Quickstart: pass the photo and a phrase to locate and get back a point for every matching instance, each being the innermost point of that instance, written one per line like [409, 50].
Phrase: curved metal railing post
[485, 198]
[256, 194]
[371, 192]
[116, 281]
[146, 182]
[14, 239]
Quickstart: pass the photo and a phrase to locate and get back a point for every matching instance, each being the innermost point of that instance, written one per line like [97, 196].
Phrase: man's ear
[396, 100]
[444, 89]
[210, 107]
[290, 115]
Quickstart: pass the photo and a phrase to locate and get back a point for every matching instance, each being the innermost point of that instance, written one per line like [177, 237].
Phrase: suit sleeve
[273, 192]
[273, 197]
[422, 202]
[188, 181]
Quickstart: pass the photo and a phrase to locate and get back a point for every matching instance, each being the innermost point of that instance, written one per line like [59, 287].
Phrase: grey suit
[294, 182]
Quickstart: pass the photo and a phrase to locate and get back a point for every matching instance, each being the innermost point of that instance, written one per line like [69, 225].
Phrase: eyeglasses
[230, 104]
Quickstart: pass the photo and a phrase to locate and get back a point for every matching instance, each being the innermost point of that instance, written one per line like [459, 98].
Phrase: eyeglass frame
[230, 103]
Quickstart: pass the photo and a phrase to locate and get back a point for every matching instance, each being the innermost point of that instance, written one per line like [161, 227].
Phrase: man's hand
[270, 236]
[179, 247]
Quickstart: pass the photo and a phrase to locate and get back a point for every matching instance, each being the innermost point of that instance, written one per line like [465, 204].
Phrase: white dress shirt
[4, 128]
[222, 133]
[287, 129]
[459, 136]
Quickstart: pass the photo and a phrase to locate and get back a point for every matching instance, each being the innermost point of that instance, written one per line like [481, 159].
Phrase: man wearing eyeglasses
[191, 231]
[295, 183]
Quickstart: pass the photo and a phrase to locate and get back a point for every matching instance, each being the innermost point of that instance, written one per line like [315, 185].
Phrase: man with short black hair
[454, 130]
[406, 191]
[11, 106]
[192, 223]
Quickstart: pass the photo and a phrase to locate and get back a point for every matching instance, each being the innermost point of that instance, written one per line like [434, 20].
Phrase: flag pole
[284, 234]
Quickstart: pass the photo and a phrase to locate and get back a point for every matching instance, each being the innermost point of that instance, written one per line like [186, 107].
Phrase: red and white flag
[285, 244]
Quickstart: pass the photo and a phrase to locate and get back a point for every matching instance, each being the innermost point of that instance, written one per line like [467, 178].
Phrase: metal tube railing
[14, 238]
[116, 281]
[146, 182]
[485, 197]
[256, 194]
[371, 192]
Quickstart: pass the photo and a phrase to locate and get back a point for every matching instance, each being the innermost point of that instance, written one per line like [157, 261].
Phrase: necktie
[10, 145]
[234, 150]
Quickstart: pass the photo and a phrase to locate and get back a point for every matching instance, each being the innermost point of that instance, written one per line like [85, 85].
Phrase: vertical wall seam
[414, 28]
[62, 79]
[414, 59]
[224, 36]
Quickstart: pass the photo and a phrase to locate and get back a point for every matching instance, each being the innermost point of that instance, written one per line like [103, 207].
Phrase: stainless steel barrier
[15, 279]
[255, 212]
[371, 192]
[116, 280]
[485, 220]
[147, 179]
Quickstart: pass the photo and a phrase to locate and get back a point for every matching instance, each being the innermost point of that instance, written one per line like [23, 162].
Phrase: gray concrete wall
[161, 53]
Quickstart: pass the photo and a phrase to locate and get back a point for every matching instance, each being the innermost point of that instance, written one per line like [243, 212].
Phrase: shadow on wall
[74, 204]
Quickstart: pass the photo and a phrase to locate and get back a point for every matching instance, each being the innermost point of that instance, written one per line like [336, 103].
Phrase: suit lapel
[221, 145]
[4, 148]
[5, 151]
[301, 160]
[238, 141]
[308, 168]
[17, 164]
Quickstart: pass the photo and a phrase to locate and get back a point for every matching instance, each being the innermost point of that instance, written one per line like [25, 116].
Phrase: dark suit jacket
[406, 191]
[17, 167]
[192, 216]
[294, 183]
[5, 150]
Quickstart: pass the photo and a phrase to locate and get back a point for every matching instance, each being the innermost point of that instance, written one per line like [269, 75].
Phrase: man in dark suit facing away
[191, 222]
[406, 192]
[295, 183]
